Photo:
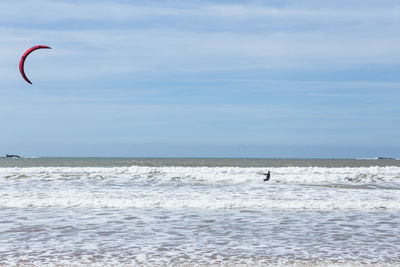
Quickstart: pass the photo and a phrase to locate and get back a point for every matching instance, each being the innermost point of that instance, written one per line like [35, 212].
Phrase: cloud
[172, 37]
[110, 52]
[202, 70]
[44, 10]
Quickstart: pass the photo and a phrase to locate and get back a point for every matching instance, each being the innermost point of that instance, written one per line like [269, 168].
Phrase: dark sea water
[194, 162]
[171, 211]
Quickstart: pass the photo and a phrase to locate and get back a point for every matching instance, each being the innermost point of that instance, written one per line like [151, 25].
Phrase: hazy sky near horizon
[201, 78]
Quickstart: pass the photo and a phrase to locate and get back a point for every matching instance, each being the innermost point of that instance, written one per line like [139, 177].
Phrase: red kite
[22, 61]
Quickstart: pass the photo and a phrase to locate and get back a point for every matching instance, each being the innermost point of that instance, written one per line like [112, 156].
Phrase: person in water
[267, 176]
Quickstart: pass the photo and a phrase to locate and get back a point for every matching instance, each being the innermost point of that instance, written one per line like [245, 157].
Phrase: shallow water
[205, 211]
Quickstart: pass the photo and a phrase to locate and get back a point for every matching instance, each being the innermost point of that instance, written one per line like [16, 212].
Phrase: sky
[201, 78]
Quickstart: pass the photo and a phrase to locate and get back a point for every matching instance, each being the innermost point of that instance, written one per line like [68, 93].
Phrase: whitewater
[104, 212]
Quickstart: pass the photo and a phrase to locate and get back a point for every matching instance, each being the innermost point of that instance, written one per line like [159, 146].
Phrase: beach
[206, 212]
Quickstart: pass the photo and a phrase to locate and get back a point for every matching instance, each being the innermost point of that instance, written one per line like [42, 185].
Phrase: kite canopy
[22, 61]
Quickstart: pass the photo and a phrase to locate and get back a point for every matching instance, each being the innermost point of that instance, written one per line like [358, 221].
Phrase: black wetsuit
[267, 176]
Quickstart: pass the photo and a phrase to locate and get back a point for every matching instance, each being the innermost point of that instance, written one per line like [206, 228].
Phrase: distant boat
[12, 156]
[384, 158]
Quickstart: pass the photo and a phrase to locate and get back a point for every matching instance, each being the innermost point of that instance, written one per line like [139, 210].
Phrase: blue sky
[201, 78]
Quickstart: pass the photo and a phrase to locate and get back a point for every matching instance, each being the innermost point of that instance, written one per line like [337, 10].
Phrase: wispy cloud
[163, 37]
[211, 70]
[131, 51]
[45, 10]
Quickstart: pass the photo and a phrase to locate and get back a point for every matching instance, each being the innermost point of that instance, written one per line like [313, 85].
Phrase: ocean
[187, 211]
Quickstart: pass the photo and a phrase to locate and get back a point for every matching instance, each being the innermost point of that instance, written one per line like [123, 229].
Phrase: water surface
[128, 211]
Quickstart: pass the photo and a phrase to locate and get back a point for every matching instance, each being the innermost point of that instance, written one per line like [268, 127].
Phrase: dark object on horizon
[267, 176]
[12, 156]
[384, 158]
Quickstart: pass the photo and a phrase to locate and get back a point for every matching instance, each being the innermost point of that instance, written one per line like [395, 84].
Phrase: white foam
[198, 215]
[210, 174]
[168, 202]
[290, 188]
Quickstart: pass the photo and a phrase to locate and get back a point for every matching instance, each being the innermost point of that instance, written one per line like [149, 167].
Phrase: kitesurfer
[267, 176]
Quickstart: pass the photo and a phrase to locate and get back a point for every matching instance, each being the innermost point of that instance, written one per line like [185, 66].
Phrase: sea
[199, 212]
